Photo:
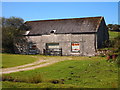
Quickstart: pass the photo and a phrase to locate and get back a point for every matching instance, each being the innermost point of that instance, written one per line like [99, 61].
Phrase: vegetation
[118, 61]
[114, 40]
[113, 47]
[11, 60]
[80, 72]
[113, 27]
[7, 84]
[113, 34]
[12, 29]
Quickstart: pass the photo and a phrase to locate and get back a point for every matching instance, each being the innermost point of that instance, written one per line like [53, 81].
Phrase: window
[53, 31]
[27, 32]
[75, 47]
[33, 48]
[52, 45]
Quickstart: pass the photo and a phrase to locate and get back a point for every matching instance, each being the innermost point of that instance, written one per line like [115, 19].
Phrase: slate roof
[74, 25]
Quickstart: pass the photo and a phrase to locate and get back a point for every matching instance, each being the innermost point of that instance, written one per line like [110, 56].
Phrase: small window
[52, 45]
[52, 31]
[27, 32]
[75, 47]
[32, 46]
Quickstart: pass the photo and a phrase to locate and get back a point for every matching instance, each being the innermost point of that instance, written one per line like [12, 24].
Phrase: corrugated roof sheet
[74, 25]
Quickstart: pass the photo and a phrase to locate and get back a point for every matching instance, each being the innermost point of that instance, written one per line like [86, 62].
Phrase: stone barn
[76, 36]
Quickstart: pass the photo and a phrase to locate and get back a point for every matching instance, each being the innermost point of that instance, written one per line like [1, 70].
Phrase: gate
[53, 52]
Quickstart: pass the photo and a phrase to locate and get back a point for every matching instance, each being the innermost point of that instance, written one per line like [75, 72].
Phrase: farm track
[34, 65]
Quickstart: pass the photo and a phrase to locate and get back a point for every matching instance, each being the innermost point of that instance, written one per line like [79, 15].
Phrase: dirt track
[31, 66]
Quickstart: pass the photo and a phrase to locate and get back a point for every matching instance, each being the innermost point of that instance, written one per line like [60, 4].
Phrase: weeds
[33, 79]
[118, 61]
[56, 81]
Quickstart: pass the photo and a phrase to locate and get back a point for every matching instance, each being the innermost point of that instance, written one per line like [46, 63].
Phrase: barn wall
[87, 44]
[102, 34]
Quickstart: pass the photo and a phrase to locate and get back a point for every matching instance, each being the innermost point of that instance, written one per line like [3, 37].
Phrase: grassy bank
[113, 34]
[79, 72]
[11, 60]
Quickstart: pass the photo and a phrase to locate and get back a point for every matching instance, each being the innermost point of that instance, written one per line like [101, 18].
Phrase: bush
[118, 60]
[102, 55]
[7, 78]
[34, 79]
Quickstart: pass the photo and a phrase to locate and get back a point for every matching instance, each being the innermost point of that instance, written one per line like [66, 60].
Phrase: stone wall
[87, 43]
[102, 35]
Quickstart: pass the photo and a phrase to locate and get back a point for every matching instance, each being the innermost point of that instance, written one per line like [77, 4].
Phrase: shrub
[118, 60]
[7, 78]
[102, 55]
[34, 79]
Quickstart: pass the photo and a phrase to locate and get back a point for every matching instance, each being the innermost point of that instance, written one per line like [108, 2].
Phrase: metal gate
[53, 49]
[53, 52]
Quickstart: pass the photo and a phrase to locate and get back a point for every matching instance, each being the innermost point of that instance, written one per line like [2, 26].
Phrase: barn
[74, 36]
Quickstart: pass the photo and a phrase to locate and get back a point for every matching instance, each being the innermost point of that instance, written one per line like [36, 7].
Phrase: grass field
[79, 72]
[11, 60]
[113, 34]
[74, 72]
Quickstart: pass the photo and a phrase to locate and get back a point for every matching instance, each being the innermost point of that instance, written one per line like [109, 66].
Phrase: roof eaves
[99, 23]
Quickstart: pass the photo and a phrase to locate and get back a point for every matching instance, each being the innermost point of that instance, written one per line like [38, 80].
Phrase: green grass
[7, 84]
[80, 72]
[113, 34]
[11, 60]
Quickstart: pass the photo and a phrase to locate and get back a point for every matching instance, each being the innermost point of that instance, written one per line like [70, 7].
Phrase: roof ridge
[65, 19]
